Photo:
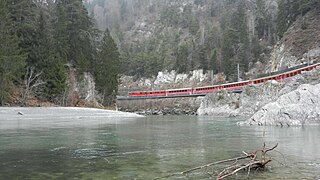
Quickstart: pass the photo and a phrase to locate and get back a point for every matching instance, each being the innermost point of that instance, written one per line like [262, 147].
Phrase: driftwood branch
[256, 161]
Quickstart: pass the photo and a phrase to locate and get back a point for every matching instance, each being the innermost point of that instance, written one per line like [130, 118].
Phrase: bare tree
[31, 83]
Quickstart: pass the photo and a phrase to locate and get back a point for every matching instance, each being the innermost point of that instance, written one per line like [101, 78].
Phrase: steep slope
[185, 35]
[300, 44]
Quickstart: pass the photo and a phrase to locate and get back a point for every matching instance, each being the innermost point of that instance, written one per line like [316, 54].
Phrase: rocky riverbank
[174, 106]
[299, 107]
[294, 101]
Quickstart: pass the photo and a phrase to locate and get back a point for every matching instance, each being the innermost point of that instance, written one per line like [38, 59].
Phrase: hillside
[53, 52]
[300, 44]
[183, 36]
[186, 35]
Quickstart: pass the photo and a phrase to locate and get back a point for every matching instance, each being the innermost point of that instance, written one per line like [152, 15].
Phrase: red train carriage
[214, 88]
[175, 92]
[147, 93]
[229, 86]
[235, 86]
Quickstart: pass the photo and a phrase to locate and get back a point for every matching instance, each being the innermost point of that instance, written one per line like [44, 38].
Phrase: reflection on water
[150, 147]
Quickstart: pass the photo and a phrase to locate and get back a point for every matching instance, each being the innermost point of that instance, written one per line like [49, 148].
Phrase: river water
[98, 147]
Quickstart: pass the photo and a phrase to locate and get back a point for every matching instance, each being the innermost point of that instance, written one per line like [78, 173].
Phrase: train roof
[286, 72]
[223, 84]
[179, 89]
[146, 91]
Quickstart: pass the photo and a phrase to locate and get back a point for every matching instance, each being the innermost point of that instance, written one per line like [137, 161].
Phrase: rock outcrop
[295, 101]
[245, 104]
[170, 106]
[298, 107]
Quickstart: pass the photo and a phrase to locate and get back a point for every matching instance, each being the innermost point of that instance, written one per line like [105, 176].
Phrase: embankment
[171, 106]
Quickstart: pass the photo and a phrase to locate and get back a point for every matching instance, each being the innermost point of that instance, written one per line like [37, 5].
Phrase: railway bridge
[235, 87]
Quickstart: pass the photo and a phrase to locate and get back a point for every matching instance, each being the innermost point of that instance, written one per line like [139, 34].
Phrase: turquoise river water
[148, 147]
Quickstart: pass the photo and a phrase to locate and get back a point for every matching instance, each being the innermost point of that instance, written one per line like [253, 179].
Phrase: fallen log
[256, 160]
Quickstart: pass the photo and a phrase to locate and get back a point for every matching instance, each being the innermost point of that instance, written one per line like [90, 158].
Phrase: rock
[298, 107]
[20, 113]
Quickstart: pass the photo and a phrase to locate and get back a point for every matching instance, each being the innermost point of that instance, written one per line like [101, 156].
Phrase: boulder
[299, 107]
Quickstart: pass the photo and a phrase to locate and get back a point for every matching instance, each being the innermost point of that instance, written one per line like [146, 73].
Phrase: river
[83, 145]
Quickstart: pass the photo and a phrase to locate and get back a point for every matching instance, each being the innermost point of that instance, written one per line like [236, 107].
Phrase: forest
[43, 41]
[196, 34]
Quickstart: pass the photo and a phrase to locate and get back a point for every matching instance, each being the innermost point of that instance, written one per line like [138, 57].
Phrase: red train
[229, 86]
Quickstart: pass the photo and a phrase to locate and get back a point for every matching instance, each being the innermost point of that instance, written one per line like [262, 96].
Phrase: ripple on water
[93, 153]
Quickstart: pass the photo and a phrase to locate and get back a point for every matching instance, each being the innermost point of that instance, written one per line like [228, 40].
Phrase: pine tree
[182, 59]
[73, 34]
[107, 69]
[203, 59]
[22, 14]
[290, 9]
[43, 44]
[11, 59]
[236, 46]
[61, 35]
[213, 64]
[56, 78]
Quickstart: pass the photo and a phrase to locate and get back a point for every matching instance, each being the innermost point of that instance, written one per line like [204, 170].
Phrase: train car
[229, 86]
[235, 85]
[285, 75]
[265, 79]
[147, 93]
[206, 89]
[177, 92]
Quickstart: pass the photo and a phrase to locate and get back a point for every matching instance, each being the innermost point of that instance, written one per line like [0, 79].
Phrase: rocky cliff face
[81, 90]
[300, 44]
[245, 104]
[166, 80]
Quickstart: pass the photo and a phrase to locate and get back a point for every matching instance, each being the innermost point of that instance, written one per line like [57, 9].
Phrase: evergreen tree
[107, 69]
[73, 33]
[61, 35]
[194, 25]
[182, 59]
[203, 59]
[229, 51]
[290, 9]
[42, 47]
[22, 14]
[11, 59]
[213, 64]
[236, 46]
[55, 75]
